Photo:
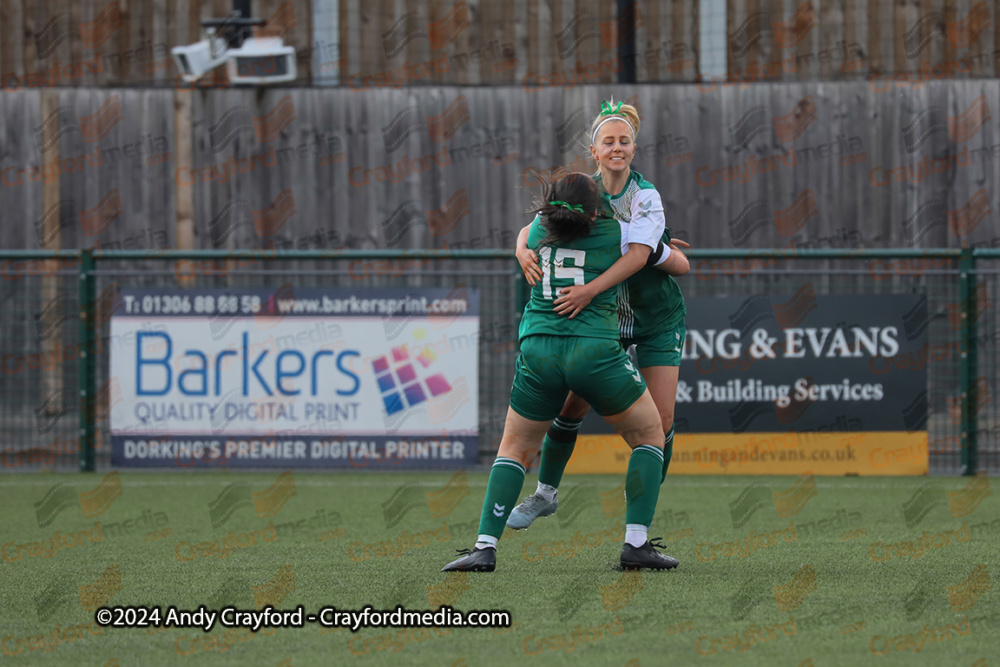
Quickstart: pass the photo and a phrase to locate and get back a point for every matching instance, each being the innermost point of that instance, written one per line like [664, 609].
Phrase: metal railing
[963, 412]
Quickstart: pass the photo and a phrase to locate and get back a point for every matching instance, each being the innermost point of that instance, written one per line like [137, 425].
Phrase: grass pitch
[774, 570]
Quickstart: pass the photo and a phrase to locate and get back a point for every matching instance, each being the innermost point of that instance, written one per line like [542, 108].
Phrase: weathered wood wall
[123, 42]
[850, 39]
[388, 43]
[771, 165]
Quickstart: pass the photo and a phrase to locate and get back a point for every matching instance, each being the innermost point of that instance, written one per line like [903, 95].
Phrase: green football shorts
[597, 369]
[661, 349]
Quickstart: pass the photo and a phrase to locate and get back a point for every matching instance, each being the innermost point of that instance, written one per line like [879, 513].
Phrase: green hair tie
[577, 207]
[606, 109]
[611, 114]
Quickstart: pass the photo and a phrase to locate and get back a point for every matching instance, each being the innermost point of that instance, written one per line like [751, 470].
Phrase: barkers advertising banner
[794, 383]
[331, 378]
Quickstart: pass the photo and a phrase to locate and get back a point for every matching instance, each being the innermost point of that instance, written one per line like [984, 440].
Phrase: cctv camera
[261, 60]
[195, 60]
[249, 60]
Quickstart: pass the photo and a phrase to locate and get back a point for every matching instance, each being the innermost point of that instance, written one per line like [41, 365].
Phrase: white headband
[597, 129]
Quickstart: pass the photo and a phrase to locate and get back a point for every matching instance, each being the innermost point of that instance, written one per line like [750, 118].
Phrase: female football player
[575, 247]
[651, 308]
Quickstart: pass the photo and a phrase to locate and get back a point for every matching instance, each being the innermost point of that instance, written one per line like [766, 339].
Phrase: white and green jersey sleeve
[639, 209]
[650, 300]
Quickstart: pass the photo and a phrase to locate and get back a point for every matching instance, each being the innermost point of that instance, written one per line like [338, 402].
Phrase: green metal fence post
[87, 361]
[968, 298]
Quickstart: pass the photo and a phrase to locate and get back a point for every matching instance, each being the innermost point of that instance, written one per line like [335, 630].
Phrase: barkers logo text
[398, 378]
[155, 375]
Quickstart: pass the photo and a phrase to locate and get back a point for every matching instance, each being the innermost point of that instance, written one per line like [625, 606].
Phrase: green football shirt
[650, 300]
[575, 263]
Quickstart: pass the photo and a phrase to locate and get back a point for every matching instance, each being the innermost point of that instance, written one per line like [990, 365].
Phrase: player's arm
[669, 258]
[575, 298]
[648, 219]
[527, 258]
[644, 234]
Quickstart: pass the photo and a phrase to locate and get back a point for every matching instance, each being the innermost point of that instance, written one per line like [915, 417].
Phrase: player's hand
[572, 300]
[528, 260]
[677, 244]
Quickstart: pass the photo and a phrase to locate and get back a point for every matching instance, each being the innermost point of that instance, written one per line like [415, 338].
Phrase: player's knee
[667, 420]
[514, 446]
[643, 434]
[523, 457]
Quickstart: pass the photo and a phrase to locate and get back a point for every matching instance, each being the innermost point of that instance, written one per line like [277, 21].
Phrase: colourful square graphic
[437, 385]
[406, 374]
[426, 357]
[399, 354]
[393, 403]
[380, 365]
[385, 382]
[414, 394]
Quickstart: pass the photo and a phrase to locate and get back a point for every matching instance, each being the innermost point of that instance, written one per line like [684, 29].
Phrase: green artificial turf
[558, 579]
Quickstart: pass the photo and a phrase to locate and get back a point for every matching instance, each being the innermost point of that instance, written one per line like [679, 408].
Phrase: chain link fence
[57, 392]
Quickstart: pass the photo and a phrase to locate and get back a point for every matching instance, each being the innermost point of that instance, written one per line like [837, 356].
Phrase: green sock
[668, 451]
[506, 480]
[641, 488]
[556, 450]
